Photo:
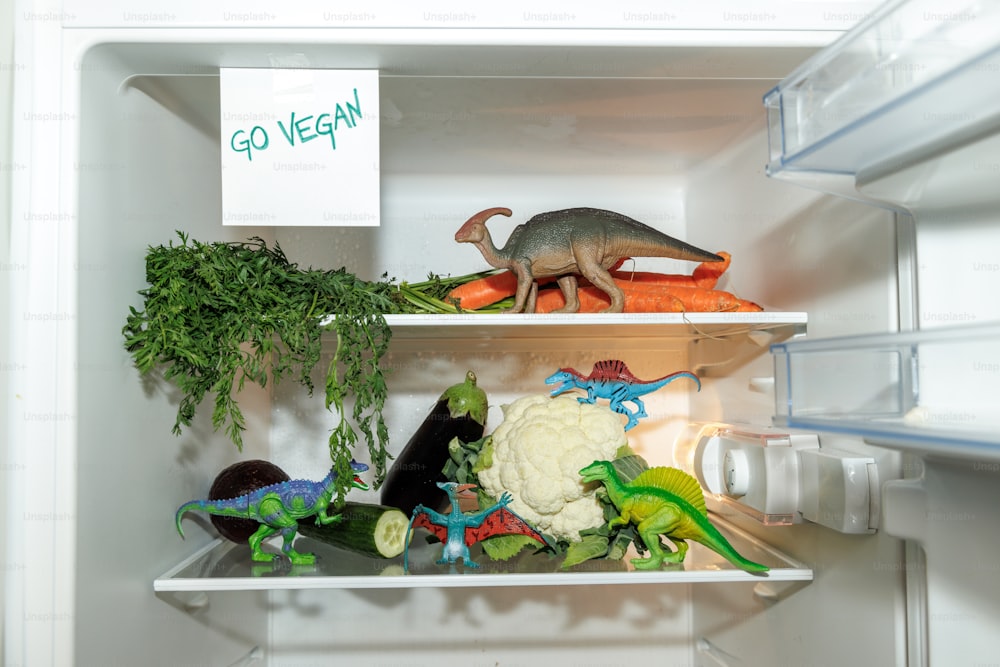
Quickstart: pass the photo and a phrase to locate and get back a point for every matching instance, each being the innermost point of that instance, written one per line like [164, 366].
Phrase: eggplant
[412, 480]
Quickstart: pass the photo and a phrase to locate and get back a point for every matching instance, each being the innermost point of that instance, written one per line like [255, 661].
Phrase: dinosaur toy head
[474, 229]
[566, 377]
[357, 482]
[457, 491]
[598, 471]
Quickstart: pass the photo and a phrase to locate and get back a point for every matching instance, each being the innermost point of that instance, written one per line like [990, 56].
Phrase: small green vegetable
[372, 530]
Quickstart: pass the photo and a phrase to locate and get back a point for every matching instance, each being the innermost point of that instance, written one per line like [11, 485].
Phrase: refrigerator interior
[671, 135]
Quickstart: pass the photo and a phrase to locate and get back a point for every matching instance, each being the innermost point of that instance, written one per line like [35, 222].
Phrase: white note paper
[300, 147]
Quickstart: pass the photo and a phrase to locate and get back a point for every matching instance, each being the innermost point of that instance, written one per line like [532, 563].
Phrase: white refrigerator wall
[7, 167]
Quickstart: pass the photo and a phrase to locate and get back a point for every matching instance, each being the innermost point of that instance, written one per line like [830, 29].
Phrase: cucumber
[373, 530]
[412, 480]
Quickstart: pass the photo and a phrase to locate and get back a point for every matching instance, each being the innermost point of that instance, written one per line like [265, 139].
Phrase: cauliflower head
[537, 452]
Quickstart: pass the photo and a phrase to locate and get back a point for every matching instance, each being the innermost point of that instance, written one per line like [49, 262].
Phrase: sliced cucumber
[378, 531]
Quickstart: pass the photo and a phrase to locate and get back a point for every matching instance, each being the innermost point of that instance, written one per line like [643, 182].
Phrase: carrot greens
[216, 315]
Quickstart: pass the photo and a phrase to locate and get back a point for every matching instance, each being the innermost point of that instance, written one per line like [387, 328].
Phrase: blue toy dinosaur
[460, 530]
[278, 507]
[613, 380]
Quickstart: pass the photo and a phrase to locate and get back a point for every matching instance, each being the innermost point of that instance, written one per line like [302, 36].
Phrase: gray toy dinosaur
[571, 242]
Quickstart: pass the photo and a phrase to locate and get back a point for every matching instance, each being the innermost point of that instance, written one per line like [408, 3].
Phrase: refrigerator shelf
[225, 566]
[780, 325]
[932, 391]
[914, 78]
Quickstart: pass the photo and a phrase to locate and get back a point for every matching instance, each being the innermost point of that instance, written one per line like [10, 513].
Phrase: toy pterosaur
[459, 530]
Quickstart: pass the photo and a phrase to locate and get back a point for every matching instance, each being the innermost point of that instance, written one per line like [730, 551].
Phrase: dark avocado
[236, 480]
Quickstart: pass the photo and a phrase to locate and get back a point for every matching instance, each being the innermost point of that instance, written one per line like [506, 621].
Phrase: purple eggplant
[412, 480]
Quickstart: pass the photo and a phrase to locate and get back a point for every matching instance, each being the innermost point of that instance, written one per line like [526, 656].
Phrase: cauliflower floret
[538, 451]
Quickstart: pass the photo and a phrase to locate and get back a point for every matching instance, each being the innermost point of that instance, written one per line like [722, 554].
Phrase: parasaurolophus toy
[571, 242]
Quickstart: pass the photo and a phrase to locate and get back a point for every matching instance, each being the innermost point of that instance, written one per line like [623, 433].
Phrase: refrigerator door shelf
[914, 77]
[225, 566]
[930, 391]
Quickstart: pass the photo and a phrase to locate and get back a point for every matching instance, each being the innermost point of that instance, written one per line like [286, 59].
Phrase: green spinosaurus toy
[664, 501]
[279, 507]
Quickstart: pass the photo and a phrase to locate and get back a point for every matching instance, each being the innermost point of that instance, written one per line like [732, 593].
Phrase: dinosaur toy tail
[667, 379]
[717, 542]
[182, 510]
[211, 507]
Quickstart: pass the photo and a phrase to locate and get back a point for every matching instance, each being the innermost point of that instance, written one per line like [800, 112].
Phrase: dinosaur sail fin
[502, 522]
[674, 481]
[613, 369]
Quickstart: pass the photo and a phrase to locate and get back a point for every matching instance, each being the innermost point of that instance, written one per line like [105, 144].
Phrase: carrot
[654, 278]
[484, 291]
[592, 300]
[705, 275]
[646, 298]
[691, 299]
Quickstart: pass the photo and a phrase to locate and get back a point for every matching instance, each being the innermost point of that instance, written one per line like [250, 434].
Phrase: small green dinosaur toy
[664, 501]
[278, 508]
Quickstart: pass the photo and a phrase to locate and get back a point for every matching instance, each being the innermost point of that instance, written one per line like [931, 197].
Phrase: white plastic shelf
[916, 76]
[225, 566]
[932, 391]
[555, 326]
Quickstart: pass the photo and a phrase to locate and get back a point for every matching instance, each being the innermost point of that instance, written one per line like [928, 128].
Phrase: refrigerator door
[902, 112]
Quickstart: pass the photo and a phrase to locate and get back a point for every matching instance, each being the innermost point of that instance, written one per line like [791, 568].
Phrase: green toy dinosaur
[664, 501]
[278, 508]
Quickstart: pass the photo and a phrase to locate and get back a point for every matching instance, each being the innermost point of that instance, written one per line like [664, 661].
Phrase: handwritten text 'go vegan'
[301, 129]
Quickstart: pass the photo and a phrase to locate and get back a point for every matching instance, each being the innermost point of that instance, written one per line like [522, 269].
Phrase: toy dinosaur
[664, 501]
[278, 508]
[571, 242]
[613, 380]
[459, 530]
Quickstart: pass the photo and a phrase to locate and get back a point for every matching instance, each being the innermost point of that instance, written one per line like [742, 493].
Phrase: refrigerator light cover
[750, 469]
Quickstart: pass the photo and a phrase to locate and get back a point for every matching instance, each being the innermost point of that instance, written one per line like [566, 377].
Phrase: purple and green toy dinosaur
[278, 508]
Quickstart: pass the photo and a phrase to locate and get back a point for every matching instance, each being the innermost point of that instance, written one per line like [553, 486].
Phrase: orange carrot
[689, 299]
[646, 298]
[592, 300]
[705, 275]
[484, 291]
[654, 278]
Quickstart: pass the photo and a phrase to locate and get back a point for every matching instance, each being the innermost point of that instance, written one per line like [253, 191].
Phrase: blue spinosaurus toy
[459, 530]
[613, 380]
[278, 507]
